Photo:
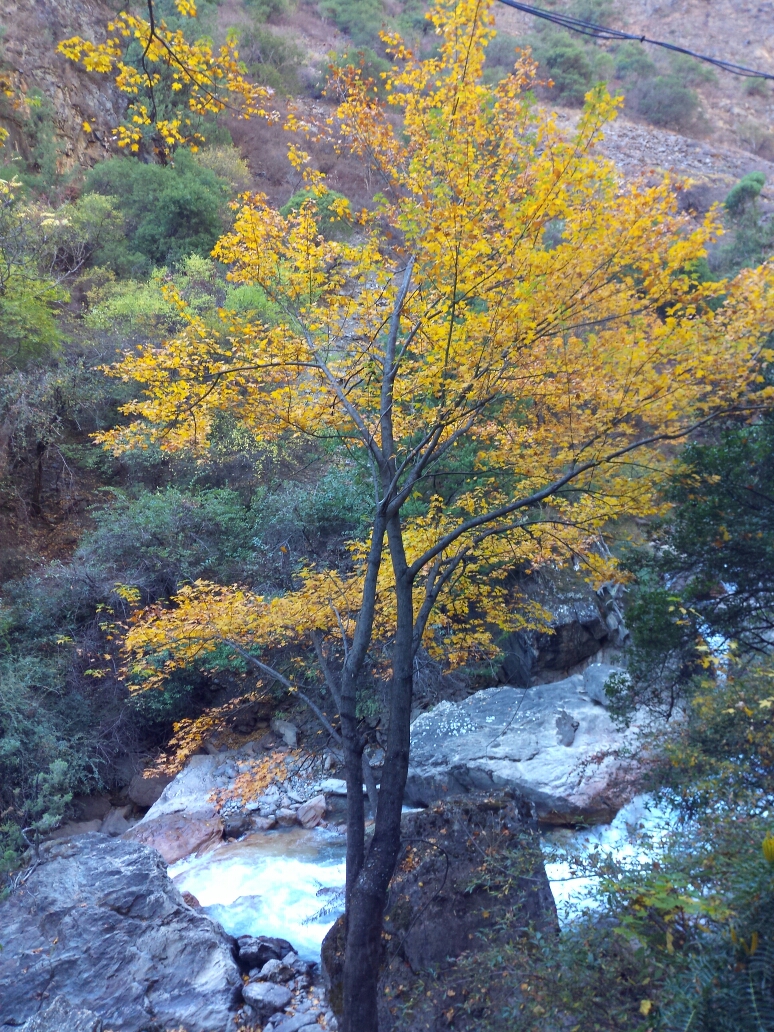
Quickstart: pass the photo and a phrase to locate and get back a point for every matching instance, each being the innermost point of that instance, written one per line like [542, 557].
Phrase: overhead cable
[586, 28]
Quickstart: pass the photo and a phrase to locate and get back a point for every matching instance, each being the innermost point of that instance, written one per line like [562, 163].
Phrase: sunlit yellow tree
[173, 84]
[510, 316]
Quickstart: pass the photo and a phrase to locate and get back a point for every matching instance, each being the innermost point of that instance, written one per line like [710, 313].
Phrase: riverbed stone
[255, 951]
[145, 790]
[287, 731]
[276, 971]
[100, 923]
[177, 835]
[551, 743]
[266, 998]
[311, 813]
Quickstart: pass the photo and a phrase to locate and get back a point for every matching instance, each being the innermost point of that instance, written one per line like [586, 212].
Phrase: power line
[602, 32]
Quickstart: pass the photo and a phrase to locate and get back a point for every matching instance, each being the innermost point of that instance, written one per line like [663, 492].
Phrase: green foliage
[134, 307]
[745, 193]
[28, 326]
[331, 225]
[272, 59]
[362, 20]
[750, 233]
[48, 752]
[500, 57]
[169, 211]
[665, 101]
[268, 10]
[631, 62]
[567, 63]
[690, 71]
[718, 546]
[159, 541]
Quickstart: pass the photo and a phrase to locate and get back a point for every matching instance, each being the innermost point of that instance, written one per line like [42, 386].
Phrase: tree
[175, 85]
[509, 339]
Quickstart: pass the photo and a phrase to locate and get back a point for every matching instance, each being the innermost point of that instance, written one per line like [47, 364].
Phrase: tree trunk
[368, 895]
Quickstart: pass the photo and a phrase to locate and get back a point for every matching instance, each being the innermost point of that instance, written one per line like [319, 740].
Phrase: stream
[289, 883]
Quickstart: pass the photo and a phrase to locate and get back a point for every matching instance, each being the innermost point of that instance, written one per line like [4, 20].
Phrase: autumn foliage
[148, 61]
[509, 318]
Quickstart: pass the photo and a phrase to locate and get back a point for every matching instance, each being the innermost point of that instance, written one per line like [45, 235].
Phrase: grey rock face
[582, 622]
[101, 924]
[62, 1017]
[266, 998]
[551, 743]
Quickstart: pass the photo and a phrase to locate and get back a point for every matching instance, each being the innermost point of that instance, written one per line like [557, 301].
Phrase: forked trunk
[367, 897]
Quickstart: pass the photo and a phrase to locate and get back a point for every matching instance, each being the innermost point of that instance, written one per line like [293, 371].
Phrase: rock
[62, 1017]
[191, 791]
[550, 743]
[145, 790]
[286, 816]
[266, 998]
[176, 835]
[594, 678]
[73, 828]
[255, 951]
[264, 823]
[469, 865]
[580, 626]
[100, 923]
[311, 813]
[295, 1022]
[191, 900]
[288, 732]
[276, 971]
[237, 825]
[115, 823]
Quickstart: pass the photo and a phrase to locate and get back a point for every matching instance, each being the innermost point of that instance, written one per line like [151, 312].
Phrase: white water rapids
[271, 883]
[278, 882]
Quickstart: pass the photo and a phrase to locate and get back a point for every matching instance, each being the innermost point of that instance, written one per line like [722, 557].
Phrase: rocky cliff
[70, 95]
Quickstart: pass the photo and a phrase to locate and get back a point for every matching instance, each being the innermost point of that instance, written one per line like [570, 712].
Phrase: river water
[289, 883]
[286, 883]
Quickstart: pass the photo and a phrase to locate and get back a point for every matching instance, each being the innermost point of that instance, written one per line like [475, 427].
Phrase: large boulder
[551, 743]
[184, 819]
[100, 923]
[469, 867]
[583, 622]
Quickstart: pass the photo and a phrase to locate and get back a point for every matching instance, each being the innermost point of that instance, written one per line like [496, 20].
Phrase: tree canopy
[509, 340]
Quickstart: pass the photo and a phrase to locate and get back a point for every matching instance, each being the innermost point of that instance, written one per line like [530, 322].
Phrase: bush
[362, 20]
[271, 58]
[169, 211]
[160, 541]
[665, 101]
[631, 63]
[49, 750]
[745, 193]
[568, 63]
[330, 224]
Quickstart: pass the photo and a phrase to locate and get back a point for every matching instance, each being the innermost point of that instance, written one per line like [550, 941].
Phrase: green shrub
[500, 57]
[169, 211]
[362, 20]
[48, 751]
[631, 62]
[331, 225]
[162, 540]
[665, 101]
[746, 191]
[268, 10]
[567, 63]
[272, 59]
